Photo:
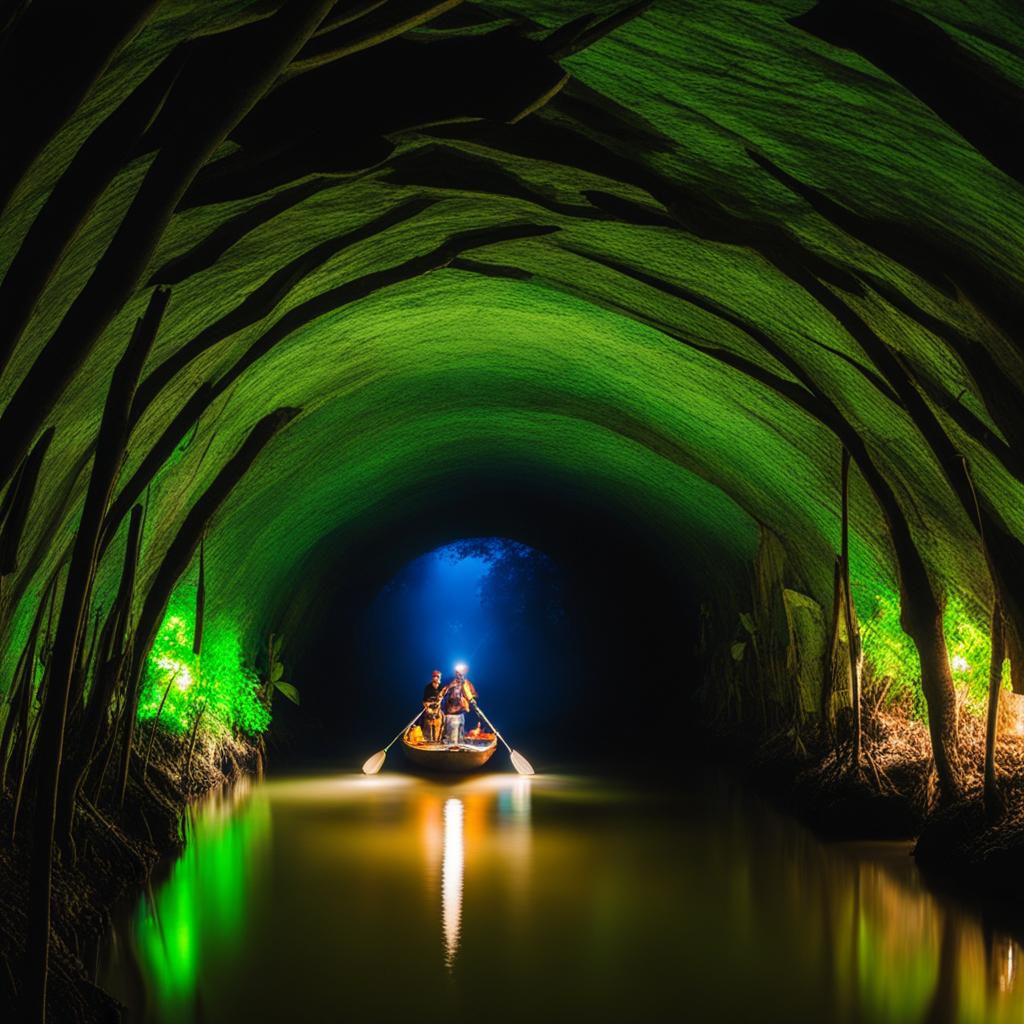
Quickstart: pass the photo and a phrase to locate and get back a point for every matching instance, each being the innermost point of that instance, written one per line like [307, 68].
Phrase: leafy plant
[275, 673]
[892, 659]
[181, 688]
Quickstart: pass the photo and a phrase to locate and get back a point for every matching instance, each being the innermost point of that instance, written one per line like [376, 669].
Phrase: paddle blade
[372, 764]
[520, 764]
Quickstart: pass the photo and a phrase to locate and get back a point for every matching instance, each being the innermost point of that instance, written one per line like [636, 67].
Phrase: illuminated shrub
[216, 684]
[970, 647]
[891, 658]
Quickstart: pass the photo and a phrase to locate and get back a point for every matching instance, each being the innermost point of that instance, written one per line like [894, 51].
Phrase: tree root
[882, 781]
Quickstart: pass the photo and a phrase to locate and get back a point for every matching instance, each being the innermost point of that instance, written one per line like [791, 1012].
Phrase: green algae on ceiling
[547, 296]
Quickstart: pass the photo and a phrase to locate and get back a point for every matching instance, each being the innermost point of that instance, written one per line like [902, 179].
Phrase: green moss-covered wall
[701, 164]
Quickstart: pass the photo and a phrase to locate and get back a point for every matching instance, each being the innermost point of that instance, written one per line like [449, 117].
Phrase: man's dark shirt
[431, 692]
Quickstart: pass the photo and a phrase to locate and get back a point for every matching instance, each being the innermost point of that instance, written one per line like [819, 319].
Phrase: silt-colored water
[552, 898]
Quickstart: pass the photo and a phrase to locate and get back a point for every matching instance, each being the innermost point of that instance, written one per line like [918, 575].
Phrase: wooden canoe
[440, 757]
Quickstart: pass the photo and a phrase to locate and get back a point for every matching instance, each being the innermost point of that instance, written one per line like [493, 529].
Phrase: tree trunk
[49, 752]
[1003, 550]
[828, 673]
[937, 682]
[107, 668]
[19, 501]
[994, 803]
[852, 630]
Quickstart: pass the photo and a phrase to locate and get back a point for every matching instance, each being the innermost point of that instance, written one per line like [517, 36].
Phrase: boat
[467, 756]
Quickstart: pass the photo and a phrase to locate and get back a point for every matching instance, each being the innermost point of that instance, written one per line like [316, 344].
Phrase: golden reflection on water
[541, 899]
[464, 816]
[451, 879]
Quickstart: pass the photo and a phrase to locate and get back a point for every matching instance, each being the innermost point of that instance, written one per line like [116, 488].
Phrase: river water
[558, 897]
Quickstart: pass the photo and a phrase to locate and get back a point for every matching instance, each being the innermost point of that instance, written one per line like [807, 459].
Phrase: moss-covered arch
[648, 280]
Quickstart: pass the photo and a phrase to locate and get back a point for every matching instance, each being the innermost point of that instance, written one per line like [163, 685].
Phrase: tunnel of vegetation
[277, 274]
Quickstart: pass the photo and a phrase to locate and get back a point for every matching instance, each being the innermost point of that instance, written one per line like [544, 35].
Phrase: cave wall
[566, 260]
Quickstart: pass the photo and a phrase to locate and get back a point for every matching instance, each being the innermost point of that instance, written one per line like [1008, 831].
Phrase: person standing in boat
[459, 696]
[432, 694]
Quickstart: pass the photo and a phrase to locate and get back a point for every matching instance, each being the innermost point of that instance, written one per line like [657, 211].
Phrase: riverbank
[890, 798]
[114, 855]
[959, 849]
[895, 796]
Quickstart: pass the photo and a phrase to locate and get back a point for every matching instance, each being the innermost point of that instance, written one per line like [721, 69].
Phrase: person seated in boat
[432, 720]
[459, 696]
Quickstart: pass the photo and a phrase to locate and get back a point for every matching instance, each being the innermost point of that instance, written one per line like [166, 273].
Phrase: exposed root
[115, 856]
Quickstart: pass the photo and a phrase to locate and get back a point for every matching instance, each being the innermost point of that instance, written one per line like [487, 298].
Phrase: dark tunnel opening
[611, 675]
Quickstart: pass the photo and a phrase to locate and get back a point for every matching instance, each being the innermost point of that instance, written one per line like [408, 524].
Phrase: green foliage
[889, 654]
[216, 684]
[891, 658]
[969, 652]
[275, 673]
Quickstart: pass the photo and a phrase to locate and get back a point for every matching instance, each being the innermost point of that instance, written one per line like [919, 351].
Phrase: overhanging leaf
[289, 691]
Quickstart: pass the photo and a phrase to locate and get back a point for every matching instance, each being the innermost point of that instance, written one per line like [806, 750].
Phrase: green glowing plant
[893, 663]
[215, 690]
[969, 647]
[889, 654]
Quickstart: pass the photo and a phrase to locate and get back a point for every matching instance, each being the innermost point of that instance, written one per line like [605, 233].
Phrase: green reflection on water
[199, 913]
[384, 898]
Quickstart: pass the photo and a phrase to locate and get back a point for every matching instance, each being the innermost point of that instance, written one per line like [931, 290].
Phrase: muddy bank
[895, 796]
[961, 849]
[889, 798]
[114, 853]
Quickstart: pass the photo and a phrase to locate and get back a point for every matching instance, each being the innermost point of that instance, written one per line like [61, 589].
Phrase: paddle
[519, 762]
[372, 765]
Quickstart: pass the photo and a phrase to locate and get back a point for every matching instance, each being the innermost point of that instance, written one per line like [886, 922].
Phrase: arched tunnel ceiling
[468, 239]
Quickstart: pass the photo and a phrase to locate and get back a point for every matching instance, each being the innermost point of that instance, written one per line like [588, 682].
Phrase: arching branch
[202, 108]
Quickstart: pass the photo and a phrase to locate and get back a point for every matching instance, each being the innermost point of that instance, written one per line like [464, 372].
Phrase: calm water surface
[542, 899]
